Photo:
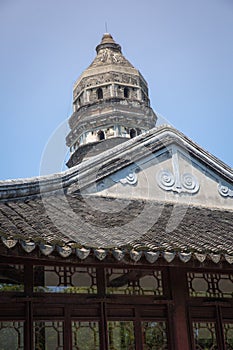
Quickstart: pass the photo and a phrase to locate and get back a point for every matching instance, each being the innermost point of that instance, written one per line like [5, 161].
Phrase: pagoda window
[101, 135]
[126, 92]
[132, 133]
[99, 93]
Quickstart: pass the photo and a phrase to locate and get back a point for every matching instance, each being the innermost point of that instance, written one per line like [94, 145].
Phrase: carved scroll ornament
[130, 179]
[187, 183]
[225, 191]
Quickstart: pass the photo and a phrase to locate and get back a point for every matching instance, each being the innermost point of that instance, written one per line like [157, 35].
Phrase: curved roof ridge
[137, 147]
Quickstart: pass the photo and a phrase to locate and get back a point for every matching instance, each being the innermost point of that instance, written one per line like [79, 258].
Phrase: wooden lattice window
[210, 285]
[85, 335]
[228, 335]
[205, 336]
[48, 335]
[137, 282]
[121, 335]
[12, 335]
[154, 335]
[65, 279]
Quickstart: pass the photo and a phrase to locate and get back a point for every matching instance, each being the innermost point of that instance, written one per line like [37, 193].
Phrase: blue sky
[183, 48]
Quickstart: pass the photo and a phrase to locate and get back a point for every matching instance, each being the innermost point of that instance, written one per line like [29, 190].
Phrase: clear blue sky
[184, 49]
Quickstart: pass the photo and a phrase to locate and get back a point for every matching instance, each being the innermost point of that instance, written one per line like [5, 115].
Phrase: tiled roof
[48, 211]
[110, 224]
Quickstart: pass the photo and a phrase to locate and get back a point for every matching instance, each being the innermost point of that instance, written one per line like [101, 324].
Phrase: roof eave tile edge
[82, 252]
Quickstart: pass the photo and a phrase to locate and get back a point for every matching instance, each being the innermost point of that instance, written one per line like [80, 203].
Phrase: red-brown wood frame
[175, 307]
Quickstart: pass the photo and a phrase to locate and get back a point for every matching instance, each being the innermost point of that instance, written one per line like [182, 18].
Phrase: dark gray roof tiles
[108, 223]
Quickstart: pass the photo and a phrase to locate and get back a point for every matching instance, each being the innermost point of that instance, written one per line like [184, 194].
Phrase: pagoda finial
[108, 42]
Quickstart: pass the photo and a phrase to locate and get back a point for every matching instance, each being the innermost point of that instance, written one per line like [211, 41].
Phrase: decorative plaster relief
[100, 186]
[130, 179]
[126, 177]
[185, 183]
[108, 56]
[225, 191]
[174, 181]
[118, 77]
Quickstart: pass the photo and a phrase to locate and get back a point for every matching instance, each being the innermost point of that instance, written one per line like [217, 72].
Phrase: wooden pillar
[101, 286]
[180, 318]
[28, 329]
[67, 330]
[138, 331]
[28, 289]
[220, 331]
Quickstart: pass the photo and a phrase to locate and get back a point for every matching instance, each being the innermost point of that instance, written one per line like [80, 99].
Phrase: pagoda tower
[110, 104]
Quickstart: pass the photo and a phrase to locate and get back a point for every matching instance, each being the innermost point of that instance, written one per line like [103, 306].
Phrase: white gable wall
[170, 175]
